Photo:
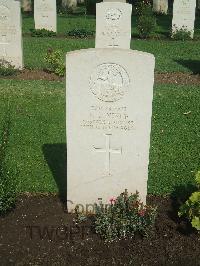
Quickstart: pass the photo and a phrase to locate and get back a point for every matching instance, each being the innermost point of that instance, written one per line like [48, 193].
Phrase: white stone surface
[122, 1]
[109, 107]
[113, 25]
[184, 15]
[160, 6]
[10, 32]
[45, 15]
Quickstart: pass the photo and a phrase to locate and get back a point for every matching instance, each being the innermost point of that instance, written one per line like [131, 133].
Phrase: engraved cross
[108, 150]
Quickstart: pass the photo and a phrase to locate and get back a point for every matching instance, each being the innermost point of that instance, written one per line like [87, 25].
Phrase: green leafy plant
[146, 26]
[181, 34]
[55, 62]
[191, 208]
[64, 10]
[8, 182]
[146, 22]
[42, 33]
[143, 8]
[80, 33]
[121, 218]
[73, 10]
[6, 69]
[125, 216]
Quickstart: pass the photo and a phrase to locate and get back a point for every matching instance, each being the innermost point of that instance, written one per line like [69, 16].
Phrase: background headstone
[69, 4]
[80, 1]
[26, 5]
[113, 25]
[11, 32]
[184, 15]
[122, 1]
[160, 6]
[109, 106]
[45, 15]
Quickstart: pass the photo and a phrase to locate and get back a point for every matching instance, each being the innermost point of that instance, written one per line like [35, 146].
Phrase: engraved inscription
[4, 15]
[44, 6]
[108, 118]
[108, 151]
[185, 11]
[185, 2]
[45, 19]
[4, 29]
[112, 18]
[184, 16]
[109, 82]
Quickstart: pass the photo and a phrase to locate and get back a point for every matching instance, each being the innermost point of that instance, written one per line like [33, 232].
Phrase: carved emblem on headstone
[113, 15]
[4, 11]
[109, 82]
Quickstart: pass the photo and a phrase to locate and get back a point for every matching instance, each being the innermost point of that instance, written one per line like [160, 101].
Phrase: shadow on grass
[192, 65]
[56, 157]
[180, 194]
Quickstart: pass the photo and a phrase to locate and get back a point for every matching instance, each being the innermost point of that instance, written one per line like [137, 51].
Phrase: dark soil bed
[177, 78]
[160, 78]
[24, 241]
[27, 74]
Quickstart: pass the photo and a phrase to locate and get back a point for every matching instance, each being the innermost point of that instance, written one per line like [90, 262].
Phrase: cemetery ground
[34, 101]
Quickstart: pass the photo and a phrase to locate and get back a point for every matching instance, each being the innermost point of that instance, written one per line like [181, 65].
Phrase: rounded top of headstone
[121, 1]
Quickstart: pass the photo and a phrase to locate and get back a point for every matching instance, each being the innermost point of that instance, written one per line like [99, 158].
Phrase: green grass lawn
[38, 118]
[171, 56]
[37, 108]
[64, 24]
[70, 22]
[37, 140]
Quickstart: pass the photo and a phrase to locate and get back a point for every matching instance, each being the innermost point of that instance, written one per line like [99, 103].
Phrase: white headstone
[45, 15]
[160, 6]
[113, 27]
[184, 15]
[122, 1]
[10, 32]
[109, 107]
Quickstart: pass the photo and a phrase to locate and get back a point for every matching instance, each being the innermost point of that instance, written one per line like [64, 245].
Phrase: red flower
[112, 200]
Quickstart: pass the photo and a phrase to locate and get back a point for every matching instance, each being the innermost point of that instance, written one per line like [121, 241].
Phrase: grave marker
[113, 27]
[109, 106]
[122, 1]
[10, 32]
[26, 5]
[184, 16]
[45, 15]
[160, 6]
